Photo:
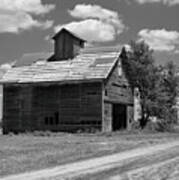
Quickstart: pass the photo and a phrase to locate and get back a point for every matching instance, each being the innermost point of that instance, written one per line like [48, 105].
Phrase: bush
[42, 133]
[135, 125]
[158, 126]
[91, 130]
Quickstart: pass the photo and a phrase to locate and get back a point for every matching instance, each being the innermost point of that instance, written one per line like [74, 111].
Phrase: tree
[170, 86]
[138, 65]
[157, 84]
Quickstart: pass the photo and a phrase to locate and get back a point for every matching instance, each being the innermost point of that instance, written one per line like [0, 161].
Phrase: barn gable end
[118, 101]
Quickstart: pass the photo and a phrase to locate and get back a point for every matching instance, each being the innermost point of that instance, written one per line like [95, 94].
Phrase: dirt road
[96, 165]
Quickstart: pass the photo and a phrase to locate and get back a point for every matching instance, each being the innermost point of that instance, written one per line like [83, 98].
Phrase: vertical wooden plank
[102, 107]
[130, 116]
[107, 121]
[3, 111]
[11, 108]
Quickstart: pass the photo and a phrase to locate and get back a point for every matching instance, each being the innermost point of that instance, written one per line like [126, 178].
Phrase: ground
[163, 165]
[21, 153]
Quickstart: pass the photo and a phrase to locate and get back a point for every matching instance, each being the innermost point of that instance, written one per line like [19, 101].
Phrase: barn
[75, 88]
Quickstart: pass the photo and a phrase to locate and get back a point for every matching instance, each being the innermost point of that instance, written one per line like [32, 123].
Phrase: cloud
[91, 30]
[29, 6]
[7, 65]
[160, 40]
[83, 11]
[177, 51]
[165, 2]
[20, 21]
[96, 23]
[18, 15]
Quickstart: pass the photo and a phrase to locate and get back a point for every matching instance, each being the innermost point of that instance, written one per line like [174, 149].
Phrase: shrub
[158, 126]
[135, 125]
[42, 133]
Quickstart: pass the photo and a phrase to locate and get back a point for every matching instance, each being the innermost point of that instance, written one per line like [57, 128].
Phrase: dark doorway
[119, 116]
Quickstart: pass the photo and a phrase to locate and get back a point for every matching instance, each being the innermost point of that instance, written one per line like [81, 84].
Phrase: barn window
[52, 120]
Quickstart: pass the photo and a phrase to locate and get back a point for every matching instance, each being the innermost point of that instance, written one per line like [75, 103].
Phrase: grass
[26, 152]
[168, 171]
[160, 166]
[164, 171]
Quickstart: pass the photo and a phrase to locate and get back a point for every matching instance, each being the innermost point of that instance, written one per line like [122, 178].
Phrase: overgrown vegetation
[157, 84]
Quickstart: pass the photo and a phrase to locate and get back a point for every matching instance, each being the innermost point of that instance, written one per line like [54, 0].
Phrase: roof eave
[112, 67]
[55, 82]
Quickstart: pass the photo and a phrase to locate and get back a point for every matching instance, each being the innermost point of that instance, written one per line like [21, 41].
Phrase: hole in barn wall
[56, 118]
[106, 93]
[46, 121]
[51, 120]
[92, 93]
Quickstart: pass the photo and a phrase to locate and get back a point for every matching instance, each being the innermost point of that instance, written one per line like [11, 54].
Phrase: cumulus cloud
[6, 66]
[96, 23]
[177, 51]
[91, 30]
[17, 15]
[83, 11]
[92, 11]
[165, 2]
[161, 39]
[29, 6]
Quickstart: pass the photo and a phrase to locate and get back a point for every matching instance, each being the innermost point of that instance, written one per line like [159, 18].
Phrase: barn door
[119, 116]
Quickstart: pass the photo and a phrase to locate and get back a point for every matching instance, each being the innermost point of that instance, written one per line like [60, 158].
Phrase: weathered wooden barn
[73, 89]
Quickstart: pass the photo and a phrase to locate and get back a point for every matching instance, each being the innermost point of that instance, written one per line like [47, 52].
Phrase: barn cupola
[67, 45]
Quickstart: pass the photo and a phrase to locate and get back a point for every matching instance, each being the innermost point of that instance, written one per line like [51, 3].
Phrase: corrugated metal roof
[84, 67]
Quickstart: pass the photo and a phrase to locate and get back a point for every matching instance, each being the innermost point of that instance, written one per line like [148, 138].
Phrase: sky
[26, 26]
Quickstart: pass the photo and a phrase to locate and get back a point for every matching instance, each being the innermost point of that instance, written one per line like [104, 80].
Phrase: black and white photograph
[89, 89]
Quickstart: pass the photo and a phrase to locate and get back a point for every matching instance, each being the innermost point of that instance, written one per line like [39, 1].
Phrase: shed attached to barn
[72, 89]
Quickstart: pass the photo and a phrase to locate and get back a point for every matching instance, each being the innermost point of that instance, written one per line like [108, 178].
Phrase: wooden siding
[130, 116]
[63, 47]
[53, 107]
[107, 119]
[11, 108]
[116, 91]
[67, 46]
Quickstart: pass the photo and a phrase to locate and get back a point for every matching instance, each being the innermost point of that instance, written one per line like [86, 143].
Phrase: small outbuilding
[75, 88]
